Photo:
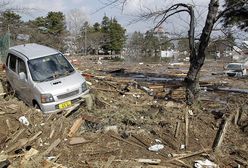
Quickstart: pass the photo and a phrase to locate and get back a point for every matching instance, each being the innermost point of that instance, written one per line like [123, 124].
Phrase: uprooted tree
[197, 54]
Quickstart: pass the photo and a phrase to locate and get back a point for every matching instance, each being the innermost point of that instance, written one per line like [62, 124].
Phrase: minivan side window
[21, 66]
[12, 62]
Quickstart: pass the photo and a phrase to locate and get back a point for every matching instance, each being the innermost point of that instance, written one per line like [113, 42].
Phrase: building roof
[32, 50]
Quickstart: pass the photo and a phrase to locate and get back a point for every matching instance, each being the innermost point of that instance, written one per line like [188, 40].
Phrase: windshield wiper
[47, 79]
[66, 73]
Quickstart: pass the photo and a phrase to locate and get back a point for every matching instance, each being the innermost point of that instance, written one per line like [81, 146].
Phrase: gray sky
[175, 25]
[90, 7]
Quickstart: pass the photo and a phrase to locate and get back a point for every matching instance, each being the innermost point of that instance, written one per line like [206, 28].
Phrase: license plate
[65, 104]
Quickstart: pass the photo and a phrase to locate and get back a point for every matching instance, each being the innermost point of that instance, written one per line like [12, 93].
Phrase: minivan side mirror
[22, 75]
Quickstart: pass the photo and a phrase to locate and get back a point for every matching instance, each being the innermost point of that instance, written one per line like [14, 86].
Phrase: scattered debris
[205, 164]
[149, 161]
[76, 125]
[156, 147]
[130, 111]
[77, 140]
[24, 120]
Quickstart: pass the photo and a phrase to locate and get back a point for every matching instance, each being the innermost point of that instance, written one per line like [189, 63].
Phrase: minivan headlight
[84, 87]
[46, 98]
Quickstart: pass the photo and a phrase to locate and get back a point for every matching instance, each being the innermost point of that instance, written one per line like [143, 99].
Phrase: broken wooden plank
[161, 87]
[51, 147]
[130, 143]
[149, 161]
[221, 133]
[177, 129]
[186, 128]
[237, 116]
[52, 133]
[77, 140]
[76, 125]
[188, 155]
[8, 124]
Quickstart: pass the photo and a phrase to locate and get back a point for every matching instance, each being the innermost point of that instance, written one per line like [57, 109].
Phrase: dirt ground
[135, 106]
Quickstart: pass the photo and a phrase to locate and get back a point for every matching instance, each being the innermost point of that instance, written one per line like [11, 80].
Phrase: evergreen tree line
[106, 38]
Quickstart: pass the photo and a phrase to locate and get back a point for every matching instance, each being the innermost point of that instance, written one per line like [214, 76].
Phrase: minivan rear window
[49, 67]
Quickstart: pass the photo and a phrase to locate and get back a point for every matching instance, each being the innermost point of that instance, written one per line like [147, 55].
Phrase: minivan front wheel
[36, 105]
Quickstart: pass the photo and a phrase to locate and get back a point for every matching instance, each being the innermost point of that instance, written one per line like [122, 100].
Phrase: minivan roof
[32, 50]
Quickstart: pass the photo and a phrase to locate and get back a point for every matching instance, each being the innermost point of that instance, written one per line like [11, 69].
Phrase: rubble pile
[128, 123]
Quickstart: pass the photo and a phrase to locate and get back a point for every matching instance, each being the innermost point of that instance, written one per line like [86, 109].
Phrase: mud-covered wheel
[36, 105]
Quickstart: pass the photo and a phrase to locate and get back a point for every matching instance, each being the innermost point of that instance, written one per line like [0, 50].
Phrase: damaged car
[42, 77]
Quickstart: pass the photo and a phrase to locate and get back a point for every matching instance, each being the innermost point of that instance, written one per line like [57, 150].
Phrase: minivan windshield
[49, 67]
[234, 66]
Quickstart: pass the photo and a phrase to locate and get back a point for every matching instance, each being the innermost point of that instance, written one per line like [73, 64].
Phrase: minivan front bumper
[53, 107]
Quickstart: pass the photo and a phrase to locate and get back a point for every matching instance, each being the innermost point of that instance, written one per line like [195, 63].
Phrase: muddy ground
[135, 106]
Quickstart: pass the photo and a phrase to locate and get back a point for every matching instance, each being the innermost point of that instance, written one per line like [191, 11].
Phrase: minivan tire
[36, 105]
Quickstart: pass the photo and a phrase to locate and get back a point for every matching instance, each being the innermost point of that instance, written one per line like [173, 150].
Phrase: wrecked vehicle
[42, 77]
[235, 69]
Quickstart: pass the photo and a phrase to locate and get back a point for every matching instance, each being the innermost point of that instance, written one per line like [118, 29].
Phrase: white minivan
[42, 77]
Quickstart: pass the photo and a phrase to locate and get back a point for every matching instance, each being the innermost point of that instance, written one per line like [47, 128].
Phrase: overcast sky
[94, 9]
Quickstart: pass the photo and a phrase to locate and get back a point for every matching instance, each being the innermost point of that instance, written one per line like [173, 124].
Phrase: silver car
[43, 77]
[235, 69]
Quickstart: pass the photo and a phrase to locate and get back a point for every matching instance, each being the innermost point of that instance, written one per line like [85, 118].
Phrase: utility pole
[85, 38]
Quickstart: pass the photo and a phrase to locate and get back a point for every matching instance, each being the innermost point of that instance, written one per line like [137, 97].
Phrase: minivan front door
[22, 85]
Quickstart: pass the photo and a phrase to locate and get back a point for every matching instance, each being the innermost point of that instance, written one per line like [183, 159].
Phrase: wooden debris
[17, 135]
[8, 124]
[237, 116]
[50, 164]
[89, 101]
[1, 89]
[103, 89]
[92, 119]
[161, 87]
[13, 106]
[221, 133]
[51, 147]
[27, 156]
[188, 155]
[177, 129]
[110, 160]
[131, 143]
[76, 125]
[52, 133]
[186, 128]
[77, 140]
[139, 139]
[22, 142]
[149, 161]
